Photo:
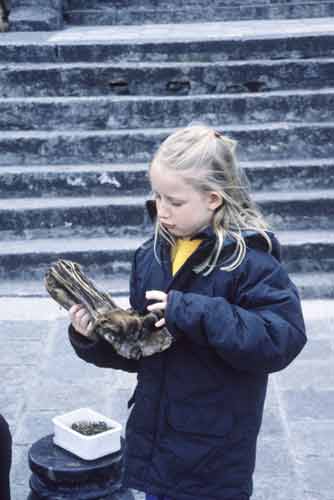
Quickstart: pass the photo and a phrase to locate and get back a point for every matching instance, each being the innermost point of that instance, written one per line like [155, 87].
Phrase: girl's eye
[157, 196]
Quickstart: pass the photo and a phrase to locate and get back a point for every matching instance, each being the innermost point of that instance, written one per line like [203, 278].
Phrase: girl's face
[182, 209]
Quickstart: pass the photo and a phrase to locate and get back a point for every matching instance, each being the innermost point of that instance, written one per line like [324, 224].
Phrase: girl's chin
[176, 232]
[171, 229]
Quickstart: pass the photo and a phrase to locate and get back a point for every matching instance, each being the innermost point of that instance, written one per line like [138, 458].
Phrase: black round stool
[60, 475]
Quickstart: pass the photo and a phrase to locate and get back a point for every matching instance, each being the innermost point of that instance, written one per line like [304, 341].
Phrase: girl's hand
[160, 305]
[81, 319]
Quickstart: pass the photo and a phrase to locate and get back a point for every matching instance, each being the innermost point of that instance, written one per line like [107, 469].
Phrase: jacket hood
[253, 238]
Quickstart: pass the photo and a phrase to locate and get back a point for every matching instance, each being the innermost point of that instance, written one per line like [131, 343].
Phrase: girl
[214, 270]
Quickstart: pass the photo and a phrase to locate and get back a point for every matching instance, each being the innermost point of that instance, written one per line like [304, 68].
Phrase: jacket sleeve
[101, 353]
[262, 332]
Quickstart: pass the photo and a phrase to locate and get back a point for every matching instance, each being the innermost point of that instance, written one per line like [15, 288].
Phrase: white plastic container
[86, 447]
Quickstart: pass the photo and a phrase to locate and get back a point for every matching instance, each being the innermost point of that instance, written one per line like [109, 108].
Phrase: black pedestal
[60, 475]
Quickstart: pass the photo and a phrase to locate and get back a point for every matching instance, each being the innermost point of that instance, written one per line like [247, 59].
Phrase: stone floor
[40, 377]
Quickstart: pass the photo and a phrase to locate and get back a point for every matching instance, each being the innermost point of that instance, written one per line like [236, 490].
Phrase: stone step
[103, 257]
[131, 179]
[229, 77]
[91, 113]
[303, 252]
[269, 141]
[72, 217]
[314, 285]
[311, 209]
[216, 41]
[117, 285]
[79, 180]
[91, 217]
[171, 13]
[103, 5]
[29, 16]
[310, 285]
[308, 251]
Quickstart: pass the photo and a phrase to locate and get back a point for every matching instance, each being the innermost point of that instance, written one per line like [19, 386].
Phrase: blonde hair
[206, 159]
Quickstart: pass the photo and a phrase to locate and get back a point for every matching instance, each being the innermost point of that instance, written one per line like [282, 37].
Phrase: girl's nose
[163, 212]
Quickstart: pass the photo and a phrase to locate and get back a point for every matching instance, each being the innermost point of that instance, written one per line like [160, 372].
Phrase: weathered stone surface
[114, 215]
[37, 15]
[310, 375]
[169, 79]
[261, 142]
[241, 40]
[314, 285]
[132, 179]
[171, 11]
[113, 113]
[104, 257]
[69, 180]
[109, 257]
[309, 404]
[296, 444]
[98, 216]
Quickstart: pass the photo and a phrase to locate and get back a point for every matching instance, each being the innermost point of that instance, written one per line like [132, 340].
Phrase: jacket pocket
[201, 419]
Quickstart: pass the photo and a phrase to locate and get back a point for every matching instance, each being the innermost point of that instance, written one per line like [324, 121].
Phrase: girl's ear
[215, 200]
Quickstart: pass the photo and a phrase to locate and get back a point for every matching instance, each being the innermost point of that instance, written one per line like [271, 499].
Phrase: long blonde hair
[206, 159]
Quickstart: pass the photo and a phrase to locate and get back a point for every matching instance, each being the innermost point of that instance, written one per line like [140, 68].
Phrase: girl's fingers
[81, 319]
[81, 313]
[84, 320]
[160, 323]
[156, 295]
[75, 308]
[157, 306]
[161, 305]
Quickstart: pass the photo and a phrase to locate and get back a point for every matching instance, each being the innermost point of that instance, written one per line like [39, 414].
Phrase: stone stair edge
[111, 113]
[287, 238]
[171, 98]
[140, 167]
[97, 4]
[164, 65]
[40, 203]
[302, 237]
[170, 12]
[118, 285]
[280, 12]
[47, 246]
[255, 29]
[26, 134]
[96, 7]
[165, 7]
[36, 181]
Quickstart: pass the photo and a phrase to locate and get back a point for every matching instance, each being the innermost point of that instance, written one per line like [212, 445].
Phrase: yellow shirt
[182, 251]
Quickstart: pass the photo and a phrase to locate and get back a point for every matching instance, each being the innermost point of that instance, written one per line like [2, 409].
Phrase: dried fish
[132, 335]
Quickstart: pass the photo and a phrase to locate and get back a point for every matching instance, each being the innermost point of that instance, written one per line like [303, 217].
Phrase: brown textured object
[131, 335]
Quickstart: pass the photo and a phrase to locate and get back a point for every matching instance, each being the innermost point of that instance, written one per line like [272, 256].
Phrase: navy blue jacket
[198, 406]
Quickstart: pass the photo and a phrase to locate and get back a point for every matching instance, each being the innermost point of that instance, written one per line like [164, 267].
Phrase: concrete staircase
[82, 110]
